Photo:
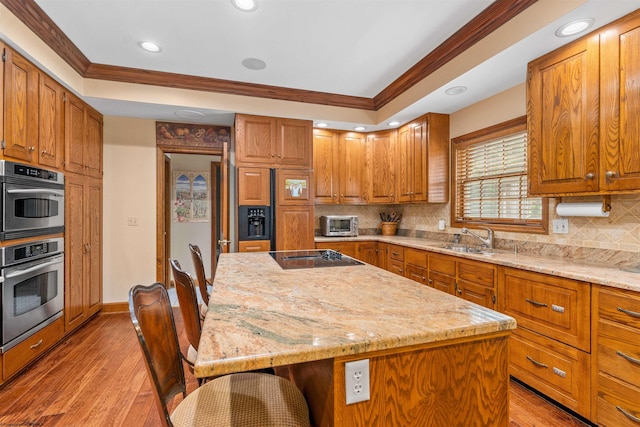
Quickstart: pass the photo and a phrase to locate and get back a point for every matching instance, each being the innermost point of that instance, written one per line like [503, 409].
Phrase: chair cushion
[244, 400]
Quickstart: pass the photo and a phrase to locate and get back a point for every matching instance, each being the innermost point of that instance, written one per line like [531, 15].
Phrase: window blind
[491, 182]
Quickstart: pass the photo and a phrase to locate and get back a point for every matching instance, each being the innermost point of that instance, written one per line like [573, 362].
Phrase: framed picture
[294, 187]
[191, 202]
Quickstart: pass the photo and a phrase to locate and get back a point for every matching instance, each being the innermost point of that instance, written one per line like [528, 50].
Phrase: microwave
[339, 225]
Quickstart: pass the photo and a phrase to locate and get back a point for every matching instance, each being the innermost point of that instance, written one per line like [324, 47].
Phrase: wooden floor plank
[97, 377]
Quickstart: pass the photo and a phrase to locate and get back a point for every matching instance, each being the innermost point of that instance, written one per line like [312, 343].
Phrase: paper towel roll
[581, 209]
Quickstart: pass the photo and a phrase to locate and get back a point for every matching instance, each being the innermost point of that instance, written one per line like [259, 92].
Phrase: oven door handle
[36, 191]
[30, 269]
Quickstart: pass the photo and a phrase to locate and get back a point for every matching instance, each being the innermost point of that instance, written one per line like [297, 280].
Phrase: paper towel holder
[606, 202]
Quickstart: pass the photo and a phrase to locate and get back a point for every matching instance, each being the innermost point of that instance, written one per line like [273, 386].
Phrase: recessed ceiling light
[254, 63]
[150, 46]
[189, 114]
[322, 125]
[574, 27]
[359, 128]
[456, 90]
[245, 5]
[394, 123]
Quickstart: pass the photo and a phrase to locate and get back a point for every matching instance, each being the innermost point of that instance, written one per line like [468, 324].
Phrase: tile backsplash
[614, 239]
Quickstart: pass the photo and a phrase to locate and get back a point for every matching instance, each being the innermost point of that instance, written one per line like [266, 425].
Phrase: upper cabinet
[83, 138]
[325, 166]
[273, 142]
[380, 167]
[20, 124]
[582, 102]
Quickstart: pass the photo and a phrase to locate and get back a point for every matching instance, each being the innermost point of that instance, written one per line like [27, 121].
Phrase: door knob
[224, 242]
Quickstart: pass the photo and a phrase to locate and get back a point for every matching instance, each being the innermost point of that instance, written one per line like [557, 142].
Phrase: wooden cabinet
[619, 100]
[83, 138]
[367, 252]
[422, 167]
[294, 227]
[18, 357]
[442, 273]
[294, 186]
[551, 346]
[83, 249]
[380, 167]
[273, 141]
[581, 109]
[347, 248]
[51, 123]
[395, 259]
[416, 263]
[325, 166]
[21, 88]
[352, 169]
[616, 357]
[254, 186]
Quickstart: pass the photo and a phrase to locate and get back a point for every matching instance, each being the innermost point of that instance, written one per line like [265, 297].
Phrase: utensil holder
[388, 228]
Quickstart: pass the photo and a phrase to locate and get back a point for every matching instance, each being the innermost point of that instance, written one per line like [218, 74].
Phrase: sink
[466, 249]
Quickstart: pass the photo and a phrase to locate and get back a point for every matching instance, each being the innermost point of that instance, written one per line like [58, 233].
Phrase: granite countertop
[261, 315]
[613, 276]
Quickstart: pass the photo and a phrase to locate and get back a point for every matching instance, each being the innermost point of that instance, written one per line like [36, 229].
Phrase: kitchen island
[434, 359]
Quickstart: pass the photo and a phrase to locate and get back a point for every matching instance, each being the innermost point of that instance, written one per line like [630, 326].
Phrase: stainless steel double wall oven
[32, 269]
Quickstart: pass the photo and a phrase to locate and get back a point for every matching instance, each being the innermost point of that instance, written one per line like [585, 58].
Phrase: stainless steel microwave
[339, 225]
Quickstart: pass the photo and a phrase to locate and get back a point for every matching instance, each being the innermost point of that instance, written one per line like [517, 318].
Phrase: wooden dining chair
[203, 283]
[235, 400]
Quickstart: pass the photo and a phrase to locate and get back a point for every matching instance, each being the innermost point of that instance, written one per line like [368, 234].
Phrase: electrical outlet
[561, 226]
[132, 221]
[356, 376]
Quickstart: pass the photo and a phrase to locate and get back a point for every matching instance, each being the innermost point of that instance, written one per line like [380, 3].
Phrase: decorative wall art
[190, 197]
[191, 135]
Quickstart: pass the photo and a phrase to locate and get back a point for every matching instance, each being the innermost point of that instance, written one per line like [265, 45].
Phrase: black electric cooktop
[289, 260]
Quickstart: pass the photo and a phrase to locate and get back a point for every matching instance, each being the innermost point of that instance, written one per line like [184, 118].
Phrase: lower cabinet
[294, 228]
[616, 357]
[254, 246]
[347, 248]
[367, 252]
[416, 263]
[83, 249]
[16, 358]
[395, 259]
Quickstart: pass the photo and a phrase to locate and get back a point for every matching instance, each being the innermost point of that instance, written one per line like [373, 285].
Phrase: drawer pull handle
[36, 345]
[629, 312]
[535, 362]
[629, 358]
[395, 253]
[536, 303]
[628, 415]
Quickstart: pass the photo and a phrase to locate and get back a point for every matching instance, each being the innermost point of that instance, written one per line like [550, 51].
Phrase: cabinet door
[93, 239]
[325, 166]
[563, 115]
[437, 167]
[21, 82]
[255, 139]
[352, 169]
[418, 152]
[51, 129]
[294, 228]
[294, 143]
[474, 292]
[254, 186]
[367, 252]
[293, 187]
[418, 274]
[620, 103]
[74, 134]
[93, 143]
[380, 167]
[74, 252]
[404, 165]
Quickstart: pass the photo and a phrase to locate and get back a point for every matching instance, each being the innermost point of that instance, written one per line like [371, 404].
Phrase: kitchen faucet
[486, 243]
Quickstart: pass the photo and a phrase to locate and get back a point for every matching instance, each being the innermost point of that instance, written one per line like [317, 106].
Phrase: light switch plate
[561, 226]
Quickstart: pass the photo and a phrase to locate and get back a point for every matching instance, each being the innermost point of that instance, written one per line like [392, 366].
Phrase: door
[224, 241]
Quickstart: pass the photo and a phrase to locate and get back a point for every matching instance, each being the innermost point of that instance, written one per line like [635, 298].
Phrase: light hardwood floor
[96, 377]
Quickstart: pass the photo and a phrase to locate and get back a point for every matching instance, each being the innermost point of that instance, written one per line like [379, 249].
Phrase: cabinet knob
[611, 174]
[590, 176]
[31, 149]
[430, 281]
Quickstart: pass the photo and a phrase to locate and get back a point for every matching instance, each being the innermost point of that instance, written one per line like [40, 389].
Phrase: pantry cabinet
[582, 102]
[273, 142]
[83, 138]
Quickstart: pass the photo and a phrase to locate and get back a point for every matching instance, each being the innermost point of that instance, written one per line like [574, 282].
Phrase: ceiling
[349, 49]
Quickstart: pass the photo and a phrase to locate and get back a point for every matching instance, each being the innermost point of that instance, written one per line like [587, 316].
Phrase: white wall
[129, 191]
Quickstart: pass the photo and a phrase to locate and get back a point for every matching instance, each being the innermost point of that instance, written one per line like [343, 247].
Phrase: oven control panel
[18, 253]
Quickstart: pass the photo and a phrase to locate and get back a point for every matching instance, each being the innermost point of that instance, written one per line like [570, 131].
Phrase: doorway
[215, 162]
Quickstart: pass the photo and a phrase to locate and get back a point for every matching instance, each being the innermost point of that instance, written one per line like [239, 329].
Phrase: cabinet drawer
[619, 306]
[396, 253]
[617, 403]
[552, 306]
[442, 282]
[396, 267]
[479, 273]
[557, 370]
[415, 257]
[25, 352]
[419, 274]
[254, 246]
[442, 264]
[619, 352]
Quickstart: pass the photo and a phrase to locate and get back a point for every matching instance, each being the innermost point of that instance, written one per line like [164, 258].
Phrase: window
[490, 172]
